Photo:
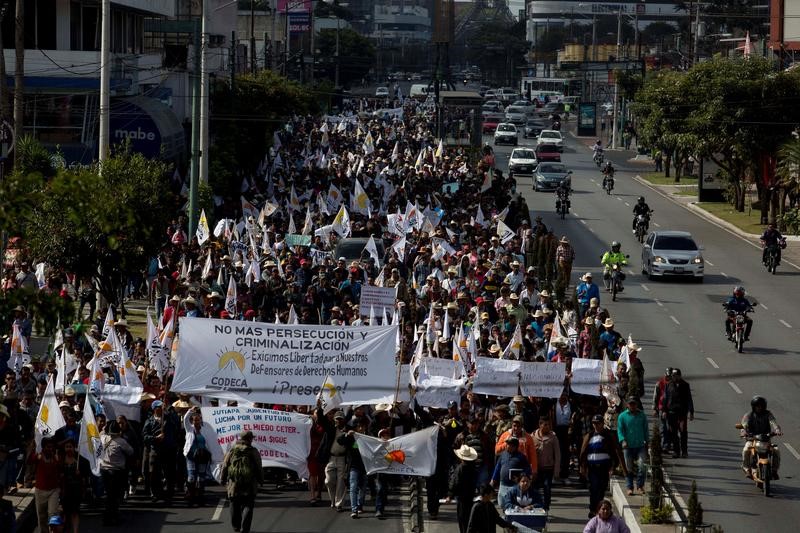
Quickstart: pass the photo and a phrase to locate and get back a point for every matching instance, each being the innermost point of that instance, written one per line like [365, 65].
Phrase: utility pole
[19, 68]
[204, 93]
[252, 38]
[194, 170]
[336, 72]
[274, 42]
[616, 83]
[3, 85]
[311, 46]
[267, 63]
[594, 37]
[696, 54]
[105, 81]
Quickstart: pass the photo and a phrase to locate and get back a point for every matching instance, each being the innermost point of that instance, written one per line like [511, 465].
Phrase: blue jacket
[587, 291]
[738, 304]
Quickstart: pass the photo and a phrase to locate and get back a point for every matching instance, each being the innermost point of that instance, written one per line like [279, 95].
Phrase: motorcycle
[562, 206]
[613, 280]
[608, 183]
[556, 125]
[598, 158]
[642, 223]
[739, 319]
[761, 453]
[773, 251]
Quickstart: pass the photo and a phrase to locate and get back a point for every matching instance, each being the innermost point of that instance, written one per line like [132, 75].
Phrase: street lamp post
[616, 83]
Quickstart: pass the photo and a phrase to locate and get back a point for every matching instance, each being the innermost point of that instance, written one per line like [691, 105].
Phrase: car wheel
[650, 272]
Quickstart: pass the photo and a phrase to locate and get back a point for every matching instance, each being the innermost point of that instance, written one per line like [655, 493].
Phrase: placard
[376, 297]
[545, 380]
[586, 376]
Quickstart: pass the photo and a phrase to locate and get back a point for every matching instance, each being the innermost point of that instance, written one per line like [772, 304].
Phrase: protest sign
[293, 239]
[282, 439]
[440, 382]
[545, 380]
[586, 376]
[284, 363]
[499, 377]
[403, 391]
[377, 297]
[408, 455]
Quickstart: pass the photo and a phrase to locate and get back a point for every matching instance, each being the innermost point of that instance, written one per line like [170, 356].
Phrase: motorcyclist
[563, 190]
[738, 304]
[609, 259]
[641, 208]
[597, 148]
[771, 237]
[608, 174]
[759, 421]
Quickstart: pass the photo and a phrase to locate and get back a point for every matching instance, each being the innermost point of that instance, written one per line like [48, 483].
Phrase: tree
[101, 226]
[356, 55]
[656, 32]
[496, 48]
[695, 511]
[788, 173]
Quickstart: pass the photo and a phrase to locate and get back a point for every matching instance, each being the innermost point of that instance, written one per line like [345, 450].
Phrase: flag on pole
[248, 209]
[341, 223]
[293, 319]
[369, 144]
[330, 396]
[230, 298]
[439, 151]
[514, 348]
[504, 232]
[49, 420]
[395, 151]
[359, 201]
[90, 445]
[487, 182]
[372, 250]
[556, 337]
[308, 223]
[108, 325]
[413, 454]
[294, 202]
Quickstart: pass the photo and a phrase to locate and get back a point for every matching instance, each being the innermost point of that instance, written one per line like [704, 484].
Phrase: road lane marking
[656, 224]
[675, 320]
[592, 180]
[590, 229]
[627, 204]
[575, 213]
[712, 362]
[792, 450]
[583, 222]
[709, 263]
[645, 287]
[658, 302]
[764, 306]
[218, 511]
[631, 272]
[619, 198]
[785, 323]
[724, 274]
[736, 389]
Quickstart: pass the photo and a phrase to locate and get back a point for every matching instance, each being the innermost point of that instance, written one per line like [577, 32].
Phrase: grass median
[658, 178]
[748, 221]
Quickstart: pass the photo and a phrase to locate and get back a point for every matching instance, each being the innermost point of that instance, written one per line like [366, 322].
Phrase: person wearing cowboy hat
[515, 277]
[121, 327]
[23, 322]
[612, 339]
[635, 369]
[585, 343]
[585, 291]
[565, 255]
[462, 484]
[191, 309]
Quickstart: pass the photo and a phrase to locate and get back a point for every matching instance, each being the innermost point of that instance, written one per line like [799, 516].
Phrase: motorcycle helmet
[738, 291]
[758, 401]
[615, 246]
[641, 199]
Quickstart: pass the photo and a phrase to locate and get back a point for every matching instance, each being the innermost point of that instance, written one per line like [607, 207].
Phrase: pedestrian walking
[198, 459]
[242, 473]
[605, 521]
[599, 453]
[333, 455]
[548, 456]
[462, 484]
[47, 488]
[679, 408]
[632, 432]
[483, 517]
[113, 470]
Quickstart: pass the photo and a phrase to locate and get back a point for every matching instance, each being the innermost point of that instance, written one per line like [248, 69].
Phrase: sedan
[492, 105]
[506, 133]
[672, 253]
[551, 137]
[522, 162]
[490, 124]
[550, 175]
[516, 115]
[382, 92]
[528, 107]
[533, 128]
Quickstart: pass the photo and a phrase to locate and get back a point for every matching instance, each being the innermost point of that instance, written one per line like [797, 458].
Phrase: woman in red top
[47, 489]
[315, 470]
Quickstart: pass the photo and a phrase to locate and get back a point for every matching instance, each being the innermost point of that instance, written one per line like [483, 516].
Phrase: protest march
[347, 323]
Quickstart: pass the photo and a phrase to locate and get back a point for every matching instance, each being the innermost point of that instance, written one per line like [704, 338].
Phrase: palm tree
[788, 172]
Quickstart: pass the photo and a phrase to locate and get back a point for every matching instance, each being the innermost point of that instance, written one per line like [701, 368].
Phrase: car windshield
[551, 169]
[506, 127]
[672, 242]
[550, 135]
[524, 154]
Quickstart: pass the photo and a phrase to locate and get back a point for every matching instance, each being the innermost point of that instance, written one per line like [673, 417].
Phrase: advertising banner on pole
[282, 439]
[284, 363]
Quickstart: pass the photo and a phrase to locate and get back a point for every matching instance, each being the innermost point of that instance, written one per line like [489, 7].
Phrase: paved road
[276, 511]
[681, 324]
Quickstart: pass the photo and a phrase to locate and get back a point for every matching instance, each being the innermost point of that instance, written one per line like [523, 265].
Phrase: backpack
[240, 468]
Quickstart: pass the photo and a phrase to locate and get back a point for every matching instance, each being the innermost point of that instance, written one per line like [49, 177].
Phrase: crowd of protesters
[452, 264]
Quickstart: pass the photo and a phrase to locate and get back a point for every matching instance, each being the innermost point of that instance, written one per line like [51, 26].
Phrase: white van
[418, 90]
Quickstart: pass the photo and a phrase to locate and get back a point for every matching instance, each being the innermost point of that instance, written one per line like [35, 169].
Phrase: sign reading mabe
[283, 363]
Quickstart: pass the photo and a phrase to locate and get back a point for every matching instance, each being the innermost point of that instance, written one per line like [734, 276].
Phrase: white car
[551, 137]
[516, 115]
[672, 253]
[522, 162]
[506, 133]
[526, 106]
[382, 92]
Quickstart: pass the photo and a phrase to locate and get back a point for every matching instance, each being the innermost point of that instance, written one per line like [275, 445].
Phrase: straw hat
[633, 347]
[181, 404]
[608, 323]
[466, 453]
[545, 294]
[121, 322]
[586, 276]
[589, 321]
[564, 240]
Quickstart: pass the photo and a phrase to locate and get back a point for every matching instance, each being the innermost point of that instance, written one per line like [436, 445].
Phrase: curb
[624, 509]
[702, 213]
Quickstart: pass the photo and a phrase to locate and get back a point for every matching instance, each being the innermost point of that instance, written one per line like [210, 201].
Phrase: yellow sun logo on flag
[227, 357]
[331, 388]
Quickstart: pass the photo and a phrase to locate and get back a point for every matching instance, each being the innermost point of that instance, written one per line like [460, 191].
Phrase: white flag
[341, 224]
[308, 224]
[108, 325]
[504, 232]
[372, 250]
[230, 298]
[89, 444]
[49, 420]
[487, 182]
[292, 319]
[203, 232]
[330, 396]
[413, 454]
[359, 201]
[514, 348]
[399, 248]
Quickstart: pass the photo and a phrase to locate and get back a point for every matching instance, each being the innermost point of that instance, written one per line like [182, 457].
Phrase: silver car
[516, 115]
[672, 253]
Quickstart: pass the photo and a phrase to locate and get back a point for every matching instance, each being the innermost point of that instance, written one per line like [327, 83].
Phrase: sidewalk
[24, 509]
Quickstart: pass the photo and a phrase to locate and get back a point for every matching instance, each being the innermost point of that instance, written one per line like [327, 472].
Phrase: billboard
[294, 6]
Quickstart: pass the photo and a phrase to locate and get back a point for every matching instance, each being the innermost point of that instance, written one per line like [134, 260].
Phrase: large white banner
[502, 377]
[586, 375]
[408, 455]
[284, 363]
[282, 439]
